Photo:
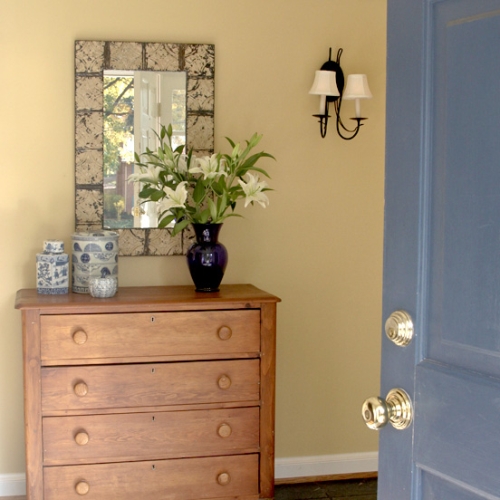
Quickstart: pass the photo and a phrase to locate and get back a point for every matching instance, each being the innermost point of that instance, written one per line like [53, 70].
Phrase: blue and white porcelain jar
[52, 269]
[94, 255]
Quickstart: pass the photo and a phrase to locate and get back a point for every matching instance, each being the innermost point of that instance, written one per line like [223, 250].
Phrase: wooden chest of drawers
[156, 393]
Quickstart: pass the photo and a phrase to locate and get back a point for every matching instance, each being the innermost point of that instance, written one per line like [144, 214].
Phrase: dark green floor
[353, 489]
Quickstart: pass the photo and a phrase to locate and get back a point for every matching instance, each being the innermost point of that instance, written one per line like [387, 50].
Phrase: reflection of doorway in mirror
[118, 154]
[158, 98]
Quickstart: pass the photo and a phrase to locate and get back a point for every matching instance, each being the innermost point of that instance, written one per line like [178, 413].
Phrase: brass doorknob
[396, 409]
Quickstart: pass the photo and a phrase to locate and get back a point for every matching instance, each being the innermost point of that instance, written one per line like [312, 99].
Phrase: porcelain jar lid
[53, 246]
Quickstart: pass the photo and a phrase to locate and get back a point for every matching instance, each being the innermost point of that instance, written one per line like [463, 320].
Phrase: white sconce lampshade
[324, 84]
[357, 88]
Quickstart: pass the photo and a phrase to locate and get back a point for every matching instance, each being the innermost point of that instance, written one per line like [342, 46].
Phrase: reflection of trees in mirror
[118, 149]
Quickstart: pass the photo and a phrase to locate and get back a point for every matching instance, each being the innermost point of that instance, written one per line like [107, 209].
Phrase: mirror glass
[123, 92]
[136, 104]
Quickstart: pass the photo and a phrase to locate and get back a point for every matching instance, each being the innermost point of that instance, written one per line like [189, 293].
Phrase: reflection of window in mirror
[136, 104]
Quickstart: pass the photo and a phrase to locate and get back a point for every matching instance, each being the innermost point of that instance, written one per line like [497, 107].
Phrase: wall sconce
[329, 85]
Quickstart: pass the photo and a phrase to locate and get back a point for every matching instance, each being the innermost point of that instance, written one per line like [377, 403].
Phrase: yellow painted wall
[319, 244]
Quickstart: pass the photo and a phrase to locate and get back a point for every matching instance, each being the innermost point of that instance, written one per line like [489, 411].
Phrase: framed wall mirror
[123, 91]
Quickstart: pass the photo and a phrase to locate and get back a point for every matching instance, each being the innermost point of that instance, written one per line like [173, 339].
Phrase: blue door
[442, 249]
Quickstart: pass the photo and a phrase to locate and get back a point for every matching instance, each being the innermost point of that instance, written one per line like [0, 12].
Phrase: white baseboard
[12, 485]
[286, 468]
[326, 465]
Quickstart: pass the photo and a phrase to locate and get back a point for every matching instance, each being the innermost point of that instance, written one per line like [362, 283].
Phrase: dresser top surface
[144, 298]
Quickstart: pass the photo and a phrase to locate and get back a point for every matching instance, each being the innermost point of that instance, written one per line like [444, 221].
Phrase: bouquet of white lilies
[199, 190]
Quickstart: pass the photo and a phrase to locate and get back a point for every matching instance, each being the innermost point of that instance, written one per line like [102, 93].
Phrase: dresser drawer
[159, 384]
[184, 479]
[147, 436]
[101, 336]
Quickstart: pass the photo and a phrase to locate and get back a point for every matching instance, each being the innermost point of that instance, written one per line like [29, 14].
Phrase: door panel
[442, 247]
[435, 488]
[464, 325]
[456, 425]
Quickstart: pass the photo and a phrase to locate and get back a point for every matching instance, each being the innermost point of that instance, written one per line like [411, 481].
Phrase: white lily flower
[174, 198]
[149, 174]
[210, 166]
[253, 191]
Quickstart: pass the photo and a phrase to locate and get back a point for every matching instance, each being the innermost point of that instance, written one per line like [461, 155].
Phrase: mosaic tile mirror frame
[91, 59]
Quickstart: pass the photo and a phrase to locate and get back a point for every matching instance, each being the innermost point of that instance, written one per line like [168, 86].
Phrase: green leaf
[157, 195]
[166, 221]
[252, 160]
[179, 149]
[199, 192]
[179, 226]
[147, 191]
[222, 203]
[213, 209]
[261, 170]
[203, 218]
[219, 187]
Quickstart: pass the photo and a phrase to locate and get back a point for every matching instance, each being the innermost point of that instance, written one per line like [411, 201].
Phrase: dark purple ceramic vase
[207, 258]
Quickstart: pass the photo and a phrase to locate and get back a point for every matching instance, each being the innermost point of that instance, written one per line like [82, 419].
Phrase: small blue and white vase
[52, 269]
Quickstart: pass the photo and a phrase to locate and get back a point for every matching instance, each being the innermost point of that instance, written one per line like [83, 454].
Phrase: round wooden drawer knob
[224, 382]
[81, 389]
[224, 478]
[80, 337]
[82, 438]
[224, 430]
[82, 487]
[225, 333]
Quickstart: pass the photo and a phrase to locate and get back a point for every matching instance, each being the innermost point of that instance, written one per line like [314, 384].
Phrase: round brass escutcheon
[80, 337]
[82, 487]
[81, 389]
[400, 408]
[224, 382]
[224, 478]
[225, 333]
[82, 438]
[224, 430]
